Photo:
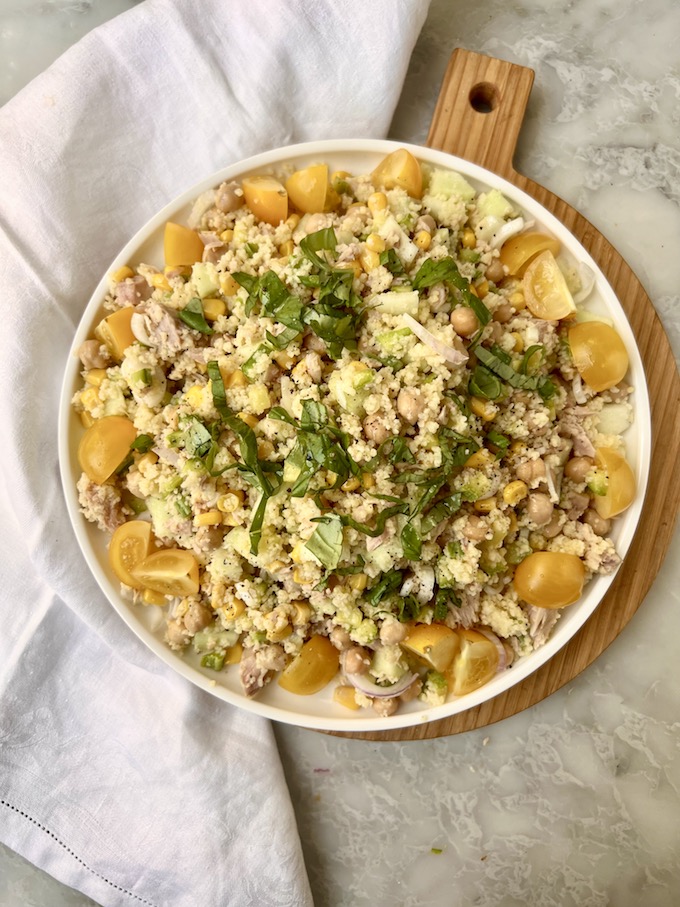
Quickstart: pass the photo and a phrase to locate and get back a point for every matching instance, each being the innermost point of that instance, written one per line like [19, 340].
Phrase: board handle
[480, 110]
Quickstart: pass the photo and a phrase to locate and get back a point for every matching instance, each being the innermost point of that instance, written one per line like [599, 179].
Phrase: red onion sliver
[368, 688]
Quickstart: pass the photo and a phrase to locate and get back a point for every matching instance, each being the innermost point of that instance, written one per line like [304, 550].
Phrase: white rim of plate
[91, 540]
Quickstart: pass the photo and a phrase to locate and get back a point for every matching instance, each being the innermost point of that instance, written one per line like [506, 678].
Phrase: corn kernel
[300, 577]
[331, 478]
[275, 567]
[265, 449]
[473, 290]
[296, 554]
[234, 379]
[230, 501]
[483, 408]
[234, 608]
[482, 289]
[513, 522]
[282, 633]
[344, 695]
[213, 308]
[367, 480]
[352, 265]
[228, 285]
[227, 235]
[369, 260]
[122, 274]
[377, 201]
[351, 484]
[422, 239]
[358, 582]
[283, 359]
[480, 459]
[486, 505]
[518, 342]
[468, 239]
[375, 242]
[209, 518]
[517, 448]
[249, 419]
[292, 221]
[160, 282]
[90, 398]
[339, 175]
[194, 396]
[514, 492]
[95, 376]
[149, 597]
[517, 300]
[86, 419]
[233, 654]
[302, 614]
[230, 519]
[147, 459]
[286, 248]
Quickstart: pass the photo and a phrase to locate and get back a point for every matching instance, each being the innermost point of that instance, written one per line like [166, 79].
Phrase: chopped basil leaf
[498, 366]
[411, 542]
[325, 542]
[218, 393]
[409, 608]
[538, 351]
[441, 511]
[446, 270]
[498, 440]
[390, 260]
[389, 582]
[484, 383]
[192, 315]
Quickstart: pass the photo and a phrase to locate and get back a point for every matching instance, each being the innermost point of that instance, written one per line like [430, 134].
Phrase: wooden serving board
[478, 117]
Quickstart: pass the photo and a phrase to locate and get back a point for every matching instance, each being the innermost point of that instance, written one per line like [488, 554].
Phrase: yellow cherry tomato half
[433, 644]
[115, 332]
[545, 289]
[550, 579]
[309, 190]
[475, 664]
[104, 446]
[129, 545]
[399, 169]
[599, 354]
[519, 250]
[620, 483]
[181, 246]
[170, 571]
[267, 199]
[313, 667]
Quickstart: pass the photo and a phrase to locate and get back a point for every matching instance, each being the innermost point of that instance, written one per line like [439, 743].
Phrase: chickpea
[385, 707]
[229, 198]
[553, 527]
[375, 428]
[531, 471]
[495, 271]
[340, 639]
[464, 321]
[598, 524]
[409, 404]
[503, 313]
[392, 632]
[539, 508]
[356, 660]
[413, 691]
[476, 528]
[578, 468]
[91, 354]
[176, 634]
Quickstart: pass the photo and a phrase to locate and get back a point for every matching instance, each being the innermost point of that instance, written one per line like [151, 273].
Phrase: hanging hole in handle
[483, 97]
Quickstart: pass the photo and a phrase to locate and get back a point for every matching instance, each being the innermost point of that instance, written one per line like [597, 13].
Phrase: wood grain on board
[478, 117]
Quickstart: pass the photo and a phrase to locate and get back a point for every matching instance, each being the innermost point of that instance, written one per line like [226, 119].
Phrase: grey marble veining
[577, 800]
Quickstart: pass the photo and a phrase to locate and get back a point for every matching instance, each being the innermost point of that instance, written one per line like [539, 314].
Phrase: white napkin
[117, 776]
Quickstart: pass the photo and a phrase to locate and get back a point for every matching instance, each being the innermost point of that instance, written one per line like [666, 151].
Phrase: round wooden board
[478, 117]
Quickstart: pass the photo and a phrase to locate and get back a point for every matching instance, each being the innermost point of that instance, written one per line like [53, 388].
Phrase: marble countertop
[575, 802]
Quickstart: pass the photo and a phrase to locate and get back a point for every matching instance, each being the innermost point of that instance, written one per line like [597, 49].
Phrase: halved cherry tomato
[475, 664]
[313, 667]
[400, 169]
[130, 544]
[266, 198]
[104, 446]
[550, 579]
[433, 644]
[545, 289]
[170, 571]
[599, 354]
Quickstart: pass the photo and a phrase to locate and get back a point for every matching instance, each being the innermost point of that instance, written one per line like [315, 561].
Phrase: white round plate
[319, 711]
